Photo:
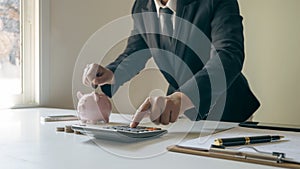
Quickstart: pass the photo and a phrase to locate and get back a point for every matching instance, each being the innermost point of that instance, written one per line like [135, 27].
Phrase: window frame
[30, 38]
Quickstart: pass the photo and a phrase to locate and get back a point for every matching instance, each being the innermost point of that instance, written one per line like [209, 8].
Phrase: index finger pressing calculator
[120, 133]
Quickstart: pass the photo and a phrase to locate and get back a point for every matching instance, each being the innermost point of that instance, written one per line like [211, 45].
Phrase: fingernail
[133, 124]
[94, 86]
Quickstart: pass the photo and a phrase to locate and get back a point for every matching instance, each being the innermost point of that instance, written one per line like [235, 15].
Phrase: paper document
[289, 145]
[204, 127]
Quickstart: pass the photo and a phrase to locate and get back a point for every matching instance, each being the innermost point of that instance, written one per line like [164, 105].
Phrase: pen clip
[276, 156]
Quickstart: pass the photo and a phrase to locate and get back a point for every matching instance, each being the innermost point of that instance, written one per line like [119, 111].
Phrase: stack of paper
[289, 145]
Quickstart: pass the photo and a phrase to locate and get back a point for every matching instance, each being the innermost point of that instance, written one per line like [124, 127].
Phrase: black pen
[246, 140]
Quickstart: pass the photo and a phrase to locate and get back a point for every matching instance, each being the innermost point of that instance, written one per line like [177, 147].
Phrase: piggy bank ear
[79, 95]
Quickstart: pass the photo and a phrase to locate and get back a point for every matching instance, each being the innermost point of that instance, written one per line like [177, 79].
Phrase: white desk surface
[28, 143]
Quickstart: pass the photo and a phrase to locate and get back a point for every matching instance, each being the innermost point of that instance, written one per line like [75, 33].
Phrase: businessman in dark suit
[198, 46]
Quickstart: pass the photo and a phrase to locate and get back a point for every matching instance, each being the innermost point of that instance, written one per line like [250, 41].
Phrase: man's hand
[162, 109]
[95, 75]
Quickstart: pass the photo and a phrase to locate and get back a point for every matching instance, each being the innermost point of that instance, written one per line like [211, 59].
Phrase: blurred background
[272, 41]
[10, 68]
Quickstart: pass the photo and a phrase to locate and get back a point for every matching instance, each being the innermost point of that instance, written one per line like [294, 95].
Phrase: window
[19, 36]
[10, 68]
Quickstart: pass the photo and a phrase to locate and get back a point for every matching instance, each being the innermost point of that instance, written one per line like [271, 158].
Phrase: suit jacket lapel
[151, 24]
[181, 4]
[185, 11]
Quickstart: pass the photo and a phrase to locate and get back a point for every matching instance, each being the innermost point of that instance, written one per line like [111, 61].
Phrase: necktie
[166, 21]
[166, 26]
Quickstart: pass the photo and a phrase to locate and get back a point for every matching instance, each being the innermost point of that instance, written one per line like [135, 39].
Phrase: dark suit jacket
[204, 60]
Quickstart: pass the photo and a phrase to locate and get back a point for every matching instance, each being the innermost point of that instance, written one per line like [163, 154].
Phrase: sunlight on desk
[29, 143]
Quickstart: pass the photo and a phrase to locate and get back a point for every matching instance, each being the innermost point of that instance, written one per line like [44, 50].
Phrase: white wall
[271, 66]
[72, 22]
[272, 57]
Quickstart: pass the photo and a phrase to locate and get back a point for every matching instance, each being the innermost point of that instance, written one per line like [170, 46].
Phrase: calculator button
[134, 131]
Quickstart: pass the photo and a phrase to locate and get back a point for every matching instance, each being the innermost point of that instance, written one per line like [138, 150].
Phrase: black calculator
[120, 133]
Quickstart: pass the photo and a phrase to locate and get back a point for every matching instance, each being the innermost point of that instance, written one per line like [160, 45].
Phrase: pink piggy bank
[93, 107]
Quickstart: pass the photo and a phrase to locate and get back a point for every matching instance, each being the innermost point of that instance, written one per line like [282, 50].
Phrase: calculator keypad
[139, 129]
[121, 133]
